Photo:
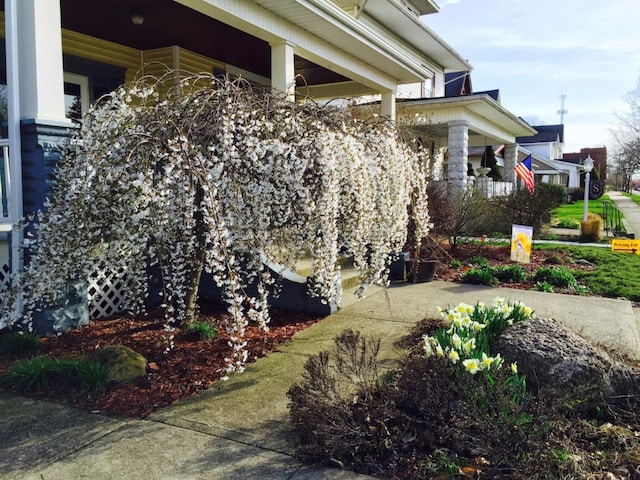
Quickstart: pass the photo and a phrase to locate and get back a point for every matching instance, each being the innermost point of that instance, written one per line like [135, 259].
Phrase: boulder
[123, 363]
[562, 366]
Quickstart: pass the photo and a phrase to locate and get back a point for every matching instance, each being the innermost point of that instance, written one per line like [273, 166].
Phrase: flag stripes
[524, 171]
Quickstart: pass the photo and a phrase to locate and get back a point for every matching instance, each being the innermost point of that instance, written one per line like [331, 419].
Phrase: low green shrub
[479, 276]
[567, 223]
[20, 344]
[544, 287]
[201, 330]
[557, 276]
[480, 262]
[41, 374]
[31, 375]
[510, 273]
[83, 374]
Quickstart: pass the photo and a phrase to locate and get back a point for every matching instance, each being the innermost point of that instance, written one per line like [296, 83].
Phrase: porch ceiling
[168, 23]
[489, 122]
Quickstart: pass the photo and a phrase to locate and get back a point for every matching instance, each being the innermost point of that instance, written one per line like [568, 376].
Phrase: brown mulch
[194, 365]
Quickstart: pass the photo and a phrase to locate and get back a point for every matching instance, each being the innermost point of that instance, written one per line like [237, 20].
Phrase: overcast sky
[535, 50]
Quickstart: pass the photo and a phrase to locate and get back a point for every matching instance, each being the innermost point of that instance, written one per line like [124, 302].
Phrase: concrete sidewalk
[240, 428]
[630, 210]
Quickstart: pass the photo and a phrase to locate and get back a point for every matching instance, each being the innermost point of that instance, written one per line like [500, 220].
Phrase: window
[76, 96]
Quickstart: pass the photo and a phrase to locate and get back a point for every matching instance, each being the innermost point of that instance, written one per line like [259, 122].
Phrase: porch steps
[350, 275]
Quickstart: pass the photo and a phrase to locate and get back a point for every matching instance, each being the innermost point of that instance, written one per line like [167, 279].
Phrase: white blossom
[216, 176]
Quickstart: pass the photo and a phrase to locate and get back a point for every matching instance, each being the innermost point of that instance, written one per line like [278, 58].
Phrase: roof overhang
[411, 55]
[395, 15]
[489, 122]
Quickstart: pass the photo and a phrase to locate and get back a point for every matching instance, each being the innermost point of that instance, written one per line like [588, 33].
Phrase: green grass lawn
[633, 196]
[569, 215]
[616, 274]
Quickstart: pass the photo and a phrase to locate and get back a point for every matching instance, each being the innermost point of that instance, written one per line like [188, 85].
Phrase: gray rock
[562, 366]
[123, 363]
[582, 261]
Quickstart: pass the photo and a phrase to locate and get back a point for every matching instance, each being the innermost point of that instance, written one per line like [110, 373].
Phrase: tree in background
[489, 161]
[626, 155]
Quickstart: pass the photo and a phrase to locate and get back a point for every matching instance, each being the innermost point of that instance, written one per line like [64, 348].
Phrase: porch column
[510, 160]
[40, 62]
[44, 128]
[458, 152]
[388, 105]
[283, 75]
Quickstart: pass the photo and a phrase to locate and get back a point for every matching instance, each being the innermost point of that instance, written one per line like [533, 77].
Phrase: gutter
[352, 24]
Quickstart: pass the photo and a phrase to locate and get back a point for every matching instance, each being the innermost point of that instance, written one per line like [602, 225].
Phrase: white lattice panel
[105, 292]
[5, 275]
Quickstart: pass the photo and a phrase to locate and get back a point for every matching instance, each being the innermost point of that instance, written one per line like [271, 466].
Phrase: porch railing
[492, 188]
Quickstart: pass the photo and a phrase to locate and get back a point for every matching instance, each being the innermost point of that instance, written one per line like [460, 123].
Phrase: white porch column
[13, 129]
[40, 62]
[283, 75]
[388, 105]
[510, 160]
[458, 152]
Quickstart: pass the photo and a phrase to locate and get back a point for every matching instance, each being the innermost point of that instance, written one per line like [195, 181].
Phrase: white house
[65, 52]
[61, 55]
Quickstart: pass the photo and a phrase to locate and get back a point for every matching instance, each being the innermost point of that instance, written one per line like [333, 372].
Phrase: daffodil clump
[466, 339]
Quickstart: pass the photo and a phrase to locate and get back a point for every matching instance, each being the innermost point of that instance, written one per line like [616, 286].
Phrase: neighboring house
[551, 164]
[548, 143]
[555, 172]
[598, 154]
[458, 120]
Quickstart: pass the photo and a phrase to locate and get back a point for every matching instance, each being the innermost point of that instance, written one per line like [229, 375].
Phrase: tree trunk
[196, 264]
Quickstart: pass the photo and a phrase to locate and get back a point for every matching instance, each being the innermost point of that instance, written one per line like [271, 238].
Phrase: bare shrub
[455, 212]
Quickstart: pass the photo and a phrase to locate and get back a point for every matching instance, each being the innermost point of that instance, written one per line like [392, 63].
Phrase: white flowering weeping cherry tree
[217, 176]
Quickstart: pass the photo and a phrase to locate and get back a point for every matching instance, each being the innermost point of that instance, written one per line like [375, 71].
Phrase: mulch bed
[194, 365]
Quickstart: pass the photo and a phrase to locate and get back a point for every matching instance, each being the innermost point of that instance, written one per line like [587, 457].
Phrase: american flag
[524, 170]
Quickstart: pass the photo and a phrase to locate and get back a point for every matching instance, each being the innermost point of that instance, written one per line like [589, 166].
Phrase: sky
[535, 51]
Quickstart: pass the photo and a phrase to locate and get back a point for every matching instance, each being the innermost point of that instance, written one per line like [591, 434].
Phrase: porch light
[136, 17]
[588, 166]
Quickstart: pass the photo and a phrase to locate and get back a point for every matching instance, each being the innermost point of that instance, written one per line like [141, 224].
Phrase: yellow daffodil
[454, 356]
[486, 361]
[469, 345]
[472, 365]
[477, 326]
[514, 368]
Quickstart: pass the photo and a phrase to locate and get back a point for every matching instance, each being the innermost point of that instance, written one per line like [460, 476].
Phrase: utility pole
[562, 110]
